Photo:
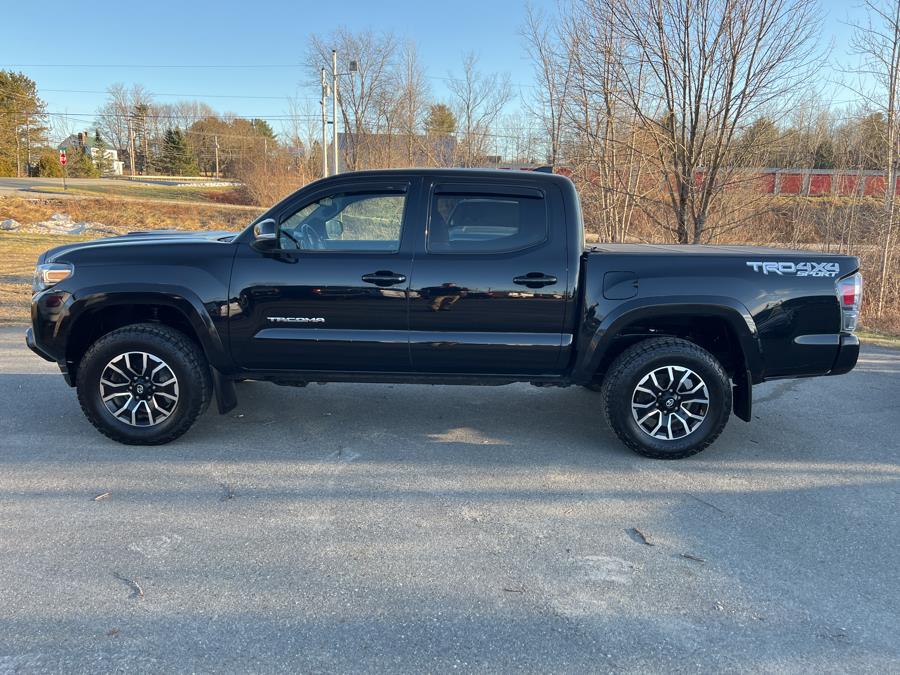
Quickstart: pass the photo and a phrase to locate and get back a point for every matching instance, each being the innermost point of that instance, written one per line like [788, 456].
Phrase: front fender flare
[96, 298]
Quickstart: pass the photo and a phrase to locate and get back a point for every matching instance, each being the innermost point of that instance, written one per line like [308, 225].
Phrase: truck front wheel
[666, 398]
[144, 384]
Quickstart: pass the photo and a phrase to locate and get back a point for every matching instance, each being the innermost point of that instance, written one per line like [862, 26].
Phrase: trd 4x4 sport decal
[800, 269]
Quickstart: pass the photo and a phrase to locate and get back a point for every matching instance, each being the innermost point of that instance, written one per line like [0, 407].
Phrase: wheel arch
[722, 326]
[98, 313]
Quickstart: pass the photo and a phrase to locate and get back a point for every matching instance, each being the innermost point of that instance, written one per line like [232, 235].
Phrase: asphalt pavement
[18, 186]
[433, 528]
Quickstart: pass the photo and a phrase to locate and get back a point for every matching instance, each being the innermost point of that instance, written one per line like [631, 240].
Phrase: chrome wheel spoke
[115, 395]
[111, 365]
[700, 384]
[124, 407]
[648, 416]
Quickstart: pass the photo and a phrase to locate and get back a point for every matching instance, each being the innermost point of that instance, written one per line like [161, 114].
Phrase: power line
[178, 117]
[150, 65]
[161, 93]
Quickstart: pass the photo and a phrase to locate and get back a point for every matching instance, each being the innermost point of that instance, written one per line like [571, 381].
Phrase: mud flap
[226, 395]
[742, 394]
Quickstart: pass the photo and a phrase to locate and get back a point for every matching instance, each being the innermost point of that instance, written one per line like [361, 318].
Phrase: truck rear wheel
[144, 384]
[666, 398]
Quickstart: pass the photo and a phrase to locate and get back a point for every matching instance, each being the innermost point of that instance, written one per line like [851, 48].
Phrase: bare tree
[518, 140]
[479, 101]
[411, 105]
[303, 131]
[877, 42]
[553, 72]
[115, 118]
[365, 94]
[605, 145]
[695, 71]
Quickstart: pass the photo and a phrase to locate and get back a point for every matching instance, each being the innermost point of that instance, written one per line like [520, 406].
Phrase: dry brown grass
[272, 182]
[129, 214]
[19, 250]
[18, 253]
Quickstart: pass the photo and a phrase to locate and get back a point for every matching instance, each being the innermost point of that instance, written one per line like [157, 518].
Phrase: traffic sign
[62, 157]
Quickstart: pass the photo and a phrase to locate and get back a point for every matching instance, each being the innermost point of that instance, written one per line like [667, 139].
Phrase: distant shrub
[7, 167]
[48, 166]
[81, 165]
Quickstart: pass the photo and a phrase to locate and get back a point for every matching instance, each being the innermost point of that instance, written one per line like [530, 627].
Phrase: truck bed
[700, 249]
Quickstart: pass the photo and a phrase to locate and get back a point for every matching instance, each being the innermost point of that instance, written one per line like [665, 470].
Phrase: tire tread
[640, 351]
[178, 341]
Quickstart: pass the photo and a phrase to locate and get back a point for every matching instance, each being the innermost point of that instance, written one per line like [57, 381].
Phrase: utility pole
[334, 109]
[131, 145]
[27, 146]
[18, 141]
[324, 126]
[217, 156]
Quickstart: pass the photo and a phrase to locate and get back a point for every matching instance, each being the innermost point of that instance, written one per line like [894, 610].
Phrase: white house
[113, 167]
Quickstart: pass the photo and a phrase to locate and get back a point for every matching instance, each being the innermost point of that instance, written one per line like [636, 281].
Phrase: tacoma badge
[296, 319]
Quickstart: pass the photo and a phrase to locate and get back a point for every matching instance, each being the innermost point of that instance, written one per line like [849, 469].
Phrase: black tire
[181, 355]
[638, 361]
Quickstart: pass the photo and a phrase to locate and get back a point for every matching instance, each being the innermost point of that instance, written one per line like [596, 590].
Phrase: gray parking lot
[418, 528]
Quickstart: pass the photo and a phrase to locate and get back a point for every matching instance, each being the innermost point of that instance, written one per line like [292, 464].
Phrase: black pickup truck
[443, 277]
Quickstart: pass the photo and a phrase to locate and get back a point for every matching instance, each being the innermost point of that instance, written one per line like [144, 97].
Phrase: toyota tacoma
[437, 276]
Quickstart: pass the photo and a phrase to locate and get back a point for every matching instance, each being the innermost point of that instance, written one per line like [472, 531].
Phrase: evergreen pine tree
[177, 159]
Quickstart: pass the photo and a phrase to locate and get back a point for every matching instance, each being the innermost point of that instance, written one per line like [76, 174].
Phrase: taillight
[849, 292]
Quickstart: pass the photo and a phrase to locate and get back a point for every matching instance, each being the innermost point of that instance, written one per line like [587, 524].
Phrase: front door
[333, 295]
[488, 292]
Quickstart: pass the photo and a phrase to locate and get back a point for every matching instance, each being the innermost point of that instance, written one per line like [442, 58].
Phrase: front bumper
[32, 345]
[848, 353]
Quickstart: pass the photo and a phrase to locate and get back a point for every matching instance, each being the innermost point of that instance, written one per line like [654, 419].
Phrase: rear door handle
[384, 278]
[535, 280]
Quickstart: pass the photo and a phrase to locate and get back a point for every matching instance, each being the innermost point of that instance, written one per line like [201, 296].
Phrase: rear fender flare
[638, 310]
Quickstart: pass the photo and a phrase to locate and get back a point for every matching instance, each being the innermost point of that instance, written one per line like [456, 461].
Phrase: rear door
[489, 281]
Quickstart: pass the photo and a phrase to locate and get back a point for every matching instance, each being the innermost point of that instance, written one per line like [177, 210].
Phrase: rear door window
[462, 222]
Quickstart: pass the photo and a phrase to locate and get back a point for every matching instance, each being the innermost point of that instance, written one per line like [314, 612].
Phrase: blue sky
[227, 34]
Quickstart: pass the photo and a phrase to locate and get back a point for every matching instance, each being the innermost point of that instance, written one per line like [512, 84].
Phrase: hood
[142, 238]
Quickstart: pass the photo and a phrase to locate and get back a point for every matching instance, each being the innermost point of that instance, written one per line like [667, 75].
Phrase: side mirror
[334, 228]
[265, 235]
[265, 230]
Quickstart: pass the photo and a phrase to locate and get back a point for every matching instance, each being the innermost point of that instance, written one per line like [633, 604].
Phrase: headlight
[50, 274]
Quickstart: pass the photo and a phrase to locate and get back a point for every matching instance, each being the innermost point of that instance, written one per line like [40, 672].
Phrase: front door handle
[384, 278]
[535, 280]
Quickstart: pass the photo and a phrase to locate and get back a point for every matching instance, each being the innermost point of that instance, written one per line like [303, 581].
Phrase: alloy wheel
[139, 389]
[670, 402]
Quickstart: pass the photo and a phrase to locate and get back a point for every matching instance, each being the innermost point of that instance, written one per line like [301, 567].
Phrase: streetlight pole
[334, 110]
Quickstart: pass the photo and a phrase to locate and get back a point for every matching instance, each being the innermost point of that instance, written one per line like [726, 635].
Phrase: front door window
[367, 222]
